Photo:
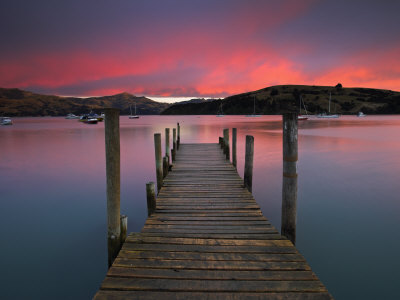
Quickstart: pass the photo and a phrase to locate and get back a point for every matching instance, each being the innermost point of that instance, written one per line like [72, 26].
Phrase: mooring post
[234, 159]
[167, 148]
[173, 151]
[221, 142]
[165, 166]
[159, 160]
[248, 163]
[179, 136]
[289, 184]
[124, 228]
[113, 173]
[151, 198]
[226, 143]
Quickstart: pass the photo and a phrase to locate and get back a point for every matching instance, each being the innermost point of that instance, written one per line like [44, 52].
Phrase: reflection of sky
[52, 187]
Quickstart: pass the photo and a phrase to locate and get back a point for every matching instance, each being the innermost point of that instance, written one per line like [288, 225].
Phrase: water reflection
[53, 200]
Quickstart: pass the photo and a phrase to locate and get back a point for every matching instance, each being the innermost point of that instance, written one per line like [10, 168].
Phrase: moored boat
[5, 121]
[361, 114]
[72, 116]
[135, 116]
[328, 115]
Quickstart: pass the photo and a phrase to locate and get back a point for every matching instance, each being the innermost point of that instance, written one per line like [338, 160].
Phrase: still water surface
[53, 197]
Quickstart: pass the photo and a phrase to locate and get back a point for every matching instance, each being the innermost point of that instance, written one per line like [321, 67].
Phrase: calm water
[53, 197]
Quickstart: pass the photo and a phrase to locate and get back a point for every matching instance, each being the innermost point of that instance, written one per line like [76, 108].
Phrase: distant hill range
[270, 100]
[15, 102]
[285, 98]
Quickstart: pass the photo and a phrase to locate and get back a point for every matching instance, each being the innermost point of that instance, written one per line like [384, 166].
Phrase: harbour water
[53, 197]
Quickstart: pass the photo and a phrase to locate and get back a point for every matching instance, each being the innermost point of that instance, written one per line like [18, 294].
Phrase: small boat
[220, 113]
[88, 119]
[254, 110]
[328, 115]
[361, 114]
[135, 116]
[300, 117]
[5, 121]
[101, 117]
[72, 116]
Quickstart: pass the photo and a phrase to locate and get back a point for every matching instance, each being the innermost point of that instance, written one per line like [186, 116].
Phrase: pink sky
[197, 48]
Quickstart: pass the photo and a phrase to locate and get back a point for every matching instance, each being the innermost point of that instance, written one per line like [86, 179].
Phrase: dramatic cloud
[185, 48]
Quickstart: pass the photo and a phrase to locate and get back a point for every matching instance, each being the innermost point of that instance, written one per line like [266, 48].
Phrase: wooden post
[234, 160]
[226, 143]
[173, 144]
[179, 136]
[165, 166]
[221, 142]
[159, 160]
[167, 148]
[124, 228]
[113, 182]
[151, 198]
[248, 163]
[289, 184]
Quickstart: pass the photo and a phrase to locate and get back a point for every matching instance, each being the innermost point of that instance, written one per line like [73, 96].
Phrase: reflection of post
[173, 151]
[159, 160]
[248, 163]
[226, 143]
[167, 149]
[113, 182]
[234, 160]
[289, 184]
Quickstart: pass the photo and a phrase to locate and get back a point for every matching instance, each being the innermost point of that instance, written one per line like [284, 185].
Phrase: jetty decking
[208, 240]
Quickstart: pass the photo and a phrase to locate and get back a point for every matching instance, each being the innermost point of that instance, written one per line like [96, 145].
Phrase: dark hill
[285, 98]
[15, 102]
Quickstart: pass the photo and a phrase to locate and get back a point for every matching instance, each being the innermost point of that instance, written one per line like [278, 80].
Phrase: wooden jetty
[208, 239]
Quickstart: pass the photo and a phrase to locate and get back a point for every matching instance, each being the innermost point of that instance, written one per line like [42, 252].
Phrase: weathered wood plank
[210, 274]
[144, 284]
[150, 295]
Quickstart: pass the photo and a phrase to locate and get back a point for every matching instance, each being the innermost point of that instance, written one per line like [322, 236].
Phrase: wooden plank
[150, 295]
[144, 284]
[214, 249]
[210, 265]
[210, 274]
[209, 256]
[210, 242]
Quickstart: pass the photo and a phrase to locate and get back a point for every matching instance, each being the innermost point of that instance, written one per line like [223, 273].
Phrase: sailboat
[220, 113]
[325, 115]
[135, 116]
[254, 110]
[300, 117]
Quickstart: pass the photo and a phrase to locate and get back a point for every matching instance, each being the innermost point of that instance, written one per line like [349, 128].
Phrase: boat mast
[329, 109]
[254, 109]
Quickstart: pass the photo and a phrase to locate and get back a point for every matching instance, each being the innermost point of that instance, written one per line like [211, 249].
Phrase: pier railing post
[167, 148]
[159, 160]
[289, 184]
[179, 136]
[226, 143]
[113, 182]
[124, 228]
[248, 163]
[151, 198]
[234, 135]
[165, 166]
[173, 144]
